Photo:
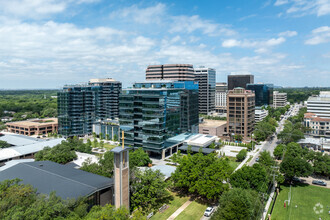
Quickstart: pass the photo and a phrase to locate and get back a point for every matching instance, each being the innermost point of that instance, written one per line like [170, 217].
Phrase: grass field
[303, 200]
[173, 206]
[109, 146]
[233, 163]
[193, 212]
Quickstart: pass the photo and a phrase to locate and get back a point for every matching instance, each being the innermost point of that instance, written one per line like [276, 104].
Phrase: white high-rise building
[320, 105]
[279, 99]
[221, 90]
[206, 89]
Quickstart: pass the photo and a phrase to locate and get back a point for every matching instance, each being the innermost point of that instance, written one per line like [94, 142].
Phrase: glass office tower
[263, 93]
[152, 112]
[79, 106]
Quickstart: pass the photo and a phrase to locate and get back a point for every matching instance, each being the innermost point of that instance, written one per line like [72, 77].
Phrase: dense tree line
[32, 103]
[301, 162]
[296, 95]
[19, 201]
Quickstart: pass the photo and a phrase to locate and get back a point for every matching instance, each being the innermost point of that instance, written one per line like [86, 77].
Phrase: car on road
[296, 179]
[319, 182]
[208, 212]
[257, 159]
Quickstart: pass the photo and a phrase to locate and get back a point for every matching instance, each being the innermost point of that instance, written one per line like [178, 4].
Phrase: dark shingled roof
[47, 176]
[196, 149]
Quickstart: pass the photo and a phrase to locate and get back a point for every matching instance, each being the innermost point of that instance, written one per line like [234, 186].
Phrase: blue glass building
[152, 112]
[263, 93]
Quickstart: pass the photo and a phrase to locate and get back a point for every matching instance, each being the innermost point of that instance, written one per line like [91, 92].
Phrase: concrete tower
[121, 175]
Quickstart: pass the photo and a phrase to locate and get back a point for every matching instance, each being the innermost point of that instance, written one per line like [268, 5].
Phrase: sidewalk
[179, 210]
[268, 203]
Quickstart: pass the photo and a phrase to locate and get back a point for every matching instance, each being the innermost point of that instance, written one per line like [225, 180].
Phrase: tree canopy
[241, 155]
[20, 201]
[254, 177]
[240, 204]
[4, 144]
[139, 158]
[203, 175]
[149, 190]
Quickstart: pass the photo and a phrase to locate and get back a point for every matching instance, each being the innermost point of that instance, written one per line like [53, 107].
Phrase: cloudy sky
[49, 43]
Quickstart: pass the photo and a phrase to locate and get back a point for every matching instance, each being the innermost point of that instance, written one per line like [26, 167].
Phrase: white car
[208, 212]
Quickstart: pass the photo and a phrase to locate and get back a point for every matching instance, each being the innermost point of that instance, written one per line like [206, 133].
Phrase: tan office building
[33, 127]
[240, 112]
[175, 72]
[213, 127]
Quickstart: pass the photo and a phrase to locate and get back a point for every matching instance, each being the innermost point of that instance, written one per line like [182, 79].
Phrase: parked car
[208, 212]
[257, 159]
[296, 179]
[319, 182]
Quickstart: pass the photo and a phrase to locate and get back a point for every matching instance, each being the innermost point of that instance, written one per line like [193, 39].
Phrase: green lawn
[194, 211]
[303, 200]
[173, 206]
[233, 163]
[109, 146]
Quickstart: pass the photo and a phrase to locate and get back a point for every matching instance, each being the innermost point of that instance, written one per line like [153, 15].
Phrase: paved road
[269, 145]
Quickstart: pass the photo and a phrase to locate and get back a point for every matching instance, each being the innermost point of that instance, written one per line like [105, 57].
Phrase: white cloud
[304, 7]
[260, 46]
[153, 14]
[189, 24]
[32, 8]
[319, 35]
[288, 34]
[281, 2]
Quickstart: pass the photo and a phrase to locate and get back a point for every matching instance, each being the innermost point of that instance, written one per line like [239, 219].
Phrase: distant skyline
[49, 43]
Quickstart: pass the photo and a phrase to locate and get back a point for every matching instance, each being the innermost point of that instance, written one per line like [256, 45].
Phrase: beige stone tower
[121, 176]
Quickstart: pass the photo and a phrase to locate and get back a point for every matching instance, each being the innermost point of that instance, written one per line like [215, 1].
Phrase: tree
[240, 204]
[115, 137]
[104, 167]
[295, 167]
[107, 136]
[241, 155]
[4, 144]
[279, 150]
[139, 158]
[108, 212]
[290, 133]
[197, 174]
[266, 159]
[58, 154]
[149, 190]
[254, 177]
[101, 136]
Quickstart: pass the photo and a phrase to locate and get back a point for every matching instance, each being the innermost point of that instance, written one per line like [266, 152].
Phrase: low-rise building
[318, 127]
[320, 105]
[279, 99]
[66, 181]
[33, 127]
[260, 114]
[26, 151]
[213, 127]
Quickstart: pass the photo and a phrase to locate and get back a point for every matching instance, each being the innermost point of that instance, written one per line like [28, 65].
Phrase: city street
[271, 143]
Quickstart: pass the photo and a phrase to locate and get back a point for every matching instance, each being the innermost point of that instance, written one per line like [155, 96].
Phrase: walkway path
[179, 210]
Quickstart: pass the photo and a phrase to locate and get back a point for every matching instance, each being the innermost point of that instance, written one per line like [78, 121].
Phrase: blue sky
[49, 43]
